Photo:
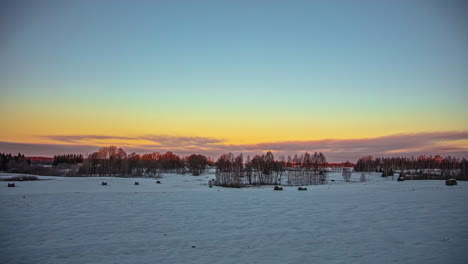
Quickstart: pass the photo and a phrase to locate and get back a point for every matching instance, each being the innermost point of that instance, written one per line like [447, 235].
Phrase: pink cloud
[427, 143]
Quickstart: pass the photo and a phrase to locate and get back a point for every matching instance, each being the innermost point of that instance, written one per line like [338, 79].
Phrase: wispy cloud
[377, 144]
[160, 140]
[428, 143]
[82, 138]
[166, 140]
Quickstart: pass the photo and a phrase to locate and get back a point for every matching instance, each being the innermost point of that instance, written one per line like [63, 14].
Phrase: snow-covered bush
[363, 177]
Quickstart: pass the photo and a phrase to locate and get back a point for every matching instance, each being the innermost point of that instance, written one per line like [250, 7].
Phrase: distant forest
[231, 170]
[68, 159]
[8, 161]
[445, 167]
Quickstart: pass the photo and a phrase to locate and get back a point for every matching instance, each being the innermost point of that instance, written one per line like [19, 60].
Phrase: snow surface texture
[182, 220]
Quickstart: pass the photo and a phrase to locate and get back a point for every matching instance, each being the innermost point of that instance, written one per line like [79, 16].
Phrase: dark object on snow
[401, 178]
[387, 173]
[194, 246]
[137, 183]
[103, 183]
[278, 188]
[333, 180]
[11, 185]
[158, 182]
[451, 182]
[302, 189]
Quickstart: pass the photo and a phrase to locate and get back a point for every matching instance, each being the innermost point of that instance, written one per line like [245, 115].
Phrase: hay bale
[278, 188]
[401, 178]
[451, 182]
[137, 183]
[11, 185]
[103, 183]
[302, 189]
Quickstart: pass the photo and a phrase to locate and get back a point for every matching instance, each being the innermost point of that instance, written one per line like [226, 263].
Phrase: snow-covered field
[76, 220]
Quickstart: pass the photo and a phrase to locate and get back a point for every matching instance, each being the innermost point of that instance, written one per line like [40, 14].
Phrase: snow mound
[182, 220]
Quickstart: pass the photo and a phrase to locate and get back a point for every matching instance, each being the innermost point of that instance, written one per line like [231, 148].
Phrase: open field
[181, 220]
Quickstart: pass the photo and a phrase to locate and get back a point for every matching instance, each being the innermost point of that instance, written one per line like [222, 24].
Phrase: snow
[76, 220]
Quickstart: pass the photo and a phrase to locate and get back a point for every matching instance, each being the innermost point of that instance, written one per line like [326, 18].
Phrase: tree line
[234, 171]
[443, 166]
[113, 161]
[307, 169]
[67, 159]
[8, 161]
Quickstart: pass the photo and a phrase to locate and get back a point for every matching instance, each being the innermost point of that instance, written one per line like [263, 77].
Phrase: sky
[348, 78]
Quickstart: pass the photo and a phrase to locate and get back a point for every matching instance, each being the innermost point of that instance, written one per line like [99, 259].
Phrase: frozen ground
[76, 220]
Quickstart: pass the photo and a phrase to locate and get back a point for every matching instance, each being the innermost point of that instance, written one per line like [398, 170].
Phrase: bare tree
[346, 174]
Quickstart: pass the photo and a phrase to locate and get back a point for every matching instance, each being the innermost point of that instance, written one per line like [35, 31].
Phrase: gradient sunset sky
[348, 78]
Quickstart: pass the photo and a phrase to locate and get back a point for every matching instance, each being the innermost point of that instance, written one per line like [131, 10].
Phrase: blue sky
[365, 63]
